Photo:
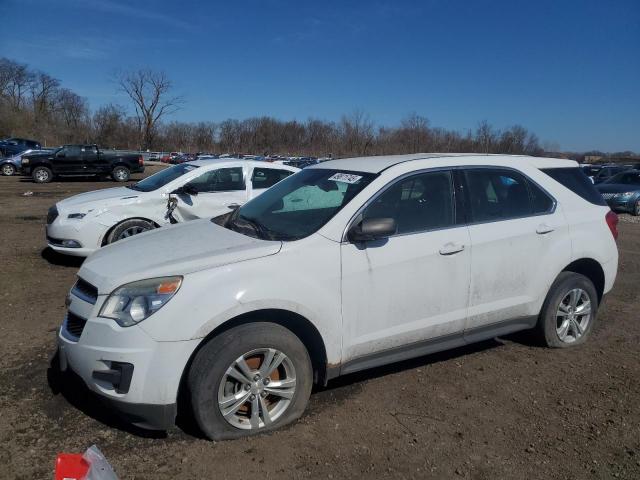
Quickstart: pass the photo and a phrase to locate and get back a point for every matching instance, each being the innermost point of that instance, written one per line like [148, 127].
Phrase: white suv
[341, 267]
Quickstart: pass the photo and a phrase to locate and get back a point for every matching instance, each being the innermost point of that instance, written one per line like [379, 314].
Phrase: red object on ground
[71, 466]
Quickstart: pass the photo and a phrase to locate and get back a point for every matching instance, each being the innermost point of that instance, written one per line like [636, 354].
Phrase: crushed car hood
[174, 250]
[98, 198]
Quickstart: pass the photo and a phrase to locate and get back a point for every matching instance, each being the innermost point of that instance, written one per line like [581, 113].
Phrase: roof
[380, 163]
[233, 160]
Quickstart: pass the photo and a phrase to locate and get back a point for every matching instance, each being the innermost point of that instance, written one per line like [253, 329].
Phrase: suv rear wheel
[250, 379]
[121, 174]
[569, 311]
[42, 175]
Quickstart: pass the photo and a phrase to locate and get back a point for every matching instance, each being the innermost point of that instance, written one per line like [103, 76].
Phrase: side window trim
[528, 181]
[357, 217]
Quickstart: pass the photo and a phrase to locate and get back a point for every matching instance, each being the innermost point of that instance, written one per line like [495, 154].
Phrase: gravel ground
[500, 409]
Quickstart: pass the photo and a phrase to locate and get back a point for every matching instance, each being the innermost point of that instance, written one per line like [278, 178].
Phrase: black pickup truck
[81, 160]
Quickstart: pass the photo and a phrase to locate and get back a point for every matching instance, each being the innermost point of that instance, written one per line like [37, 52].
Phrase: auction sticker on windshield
[345, 177]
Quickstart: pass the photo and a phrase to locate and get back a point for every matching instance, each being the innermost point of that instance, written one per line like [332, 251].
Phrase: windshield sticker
[345, 178]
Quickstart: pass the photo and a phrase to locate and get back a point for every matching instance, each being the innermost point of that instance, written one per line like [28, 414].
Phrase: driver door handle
[543, 228]
[451, 248]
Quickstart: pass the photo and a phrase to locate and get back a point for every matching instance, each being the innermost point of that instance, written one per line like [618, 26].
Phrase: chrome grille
[74, 324]
[85, 291]
[608, 196]
[52, 214]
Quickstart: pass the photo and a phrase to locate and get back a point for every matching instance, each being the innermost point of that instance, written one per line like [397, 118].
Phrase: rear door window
[267, 177]
[496, 194]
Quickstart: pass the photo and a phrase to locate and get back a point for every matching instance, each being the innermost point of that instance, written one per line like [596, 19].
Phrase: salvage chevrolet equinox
[344, 266]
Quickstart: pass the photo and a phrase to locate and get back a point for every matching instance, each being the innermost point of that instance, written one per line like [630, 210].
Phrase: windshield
[626, 178]
[298, 205]
[161, 178]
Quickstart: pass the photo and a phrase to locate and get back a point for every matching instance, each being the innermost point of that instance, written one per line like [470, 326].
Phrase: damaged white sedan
[83, 223]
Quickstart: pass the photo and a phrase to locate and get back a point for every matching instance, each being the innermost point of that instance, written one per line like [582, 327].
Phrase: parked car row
[599, 173]
[340, 267]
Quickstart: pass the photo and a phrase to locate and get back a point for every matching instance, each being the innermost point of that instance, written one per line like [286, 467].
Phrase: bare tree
[150, 92]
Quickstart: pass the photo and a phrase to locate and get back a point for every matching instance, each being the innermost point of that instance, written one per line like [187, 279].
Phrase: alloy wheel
[257, 389]
[7, 170]
[131, 231]
[120, 174]
[42, 175]
[573, 315]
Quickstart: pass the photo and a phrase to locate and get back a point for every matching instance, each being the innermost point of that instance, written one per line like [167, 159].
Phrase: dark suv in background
[13, 146]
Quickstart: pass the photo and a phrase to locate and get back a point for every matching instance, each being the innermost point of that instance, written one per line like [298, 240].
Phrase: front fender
[300, 279]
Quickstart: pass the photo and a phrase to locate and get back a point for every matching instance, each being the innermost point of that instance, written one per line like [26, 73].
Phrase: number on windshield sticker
[345, 177]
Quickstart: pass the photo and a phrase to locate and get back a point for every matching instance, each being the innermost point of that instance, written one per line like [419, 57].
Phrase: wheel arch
[591, 269]
[294, 322]
[103, 242]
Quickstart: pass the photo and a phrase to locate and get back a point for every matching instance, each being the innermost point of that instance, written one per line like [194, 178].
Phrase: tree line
[35, 105]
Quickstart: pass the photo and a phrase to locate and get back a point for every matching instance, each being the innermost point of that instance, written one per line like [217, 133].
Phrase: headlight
[133, 302]
[626, 194]
[76, 215]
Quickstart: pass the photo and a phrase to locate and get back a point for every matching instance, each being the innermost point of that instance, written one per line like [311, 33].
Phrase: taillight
[612, 221]
[140, 160]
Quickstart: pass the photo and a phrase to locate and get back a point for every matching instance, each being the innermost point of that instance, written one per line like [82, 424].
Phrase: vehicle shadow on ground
[76, 393]
[55, 258]
[524, 338]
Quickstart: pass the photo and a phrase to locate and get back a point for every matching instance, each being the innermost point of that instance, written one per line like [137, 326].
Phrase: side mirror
[372, 229]
[61, 155]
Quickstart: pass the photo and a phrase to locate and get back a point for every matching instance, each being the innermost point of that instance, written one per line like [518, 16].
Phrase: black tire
[548, 321]
[121, 174]
[8, 169]
[129, 228]
[209, 367]
[42, 175]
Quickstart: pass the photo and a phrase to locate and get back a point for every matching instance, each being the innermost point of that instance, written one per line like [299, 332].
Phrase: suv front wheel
[250, 379]
[569, 311]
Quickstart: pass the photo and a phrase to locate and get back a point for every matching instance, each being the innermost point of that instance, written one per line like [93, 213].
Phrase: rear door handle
[451, 248]
[544, 228]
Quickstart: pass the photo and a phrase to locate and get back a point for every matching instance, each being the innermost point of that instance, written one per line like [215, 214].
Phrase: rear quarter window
[575, 180]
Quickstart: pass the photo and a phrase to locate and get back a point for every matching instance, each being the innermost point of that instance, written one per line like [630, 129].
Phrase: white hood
[175, 250]
[98, 198]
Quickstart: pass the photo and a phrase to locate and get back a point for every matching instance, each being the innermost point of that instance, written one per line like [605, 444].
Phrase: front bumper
[101, 344]
[87, 235]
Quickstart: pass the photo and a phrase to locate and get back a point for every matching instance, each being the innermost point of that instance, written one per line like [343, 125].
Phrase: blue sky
[568, 70]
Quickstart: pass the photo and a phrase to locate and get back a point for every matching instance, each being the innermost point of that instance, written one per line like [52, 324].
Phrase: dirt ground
[500, 409]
